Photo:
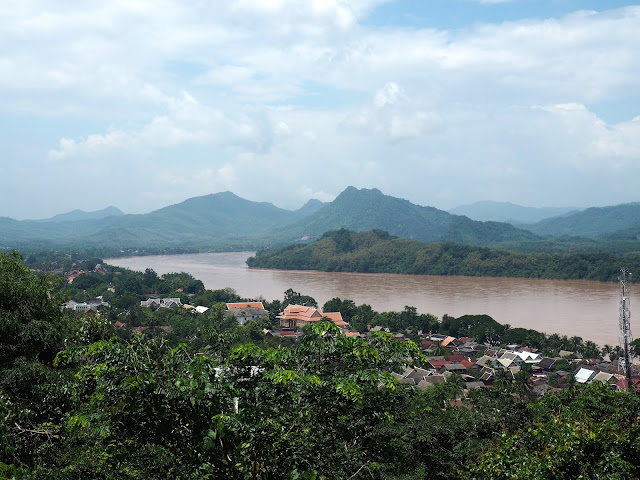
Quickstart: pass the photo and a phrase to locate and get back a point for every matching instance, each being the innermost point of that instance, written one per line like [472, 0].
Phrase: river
[586, 309]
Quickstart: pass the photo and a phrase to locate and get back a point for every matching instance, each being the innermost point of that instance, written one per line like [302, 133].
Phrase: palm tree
[590, 349]
[502, 379]
[439, 350]
[572, 383]
[523, 379]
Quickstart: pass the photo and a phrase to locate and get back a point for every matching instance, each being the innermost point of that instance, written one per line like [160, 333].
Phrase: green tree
[31, 320]
[292, 297]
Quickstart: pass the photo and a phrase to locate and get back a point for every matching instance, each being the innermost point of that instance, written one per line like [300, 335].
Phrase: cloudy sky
[144, 103]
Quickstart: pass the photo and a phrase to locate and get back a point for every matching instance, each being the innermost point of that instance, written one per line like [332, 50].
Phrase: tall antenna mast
[624, 362]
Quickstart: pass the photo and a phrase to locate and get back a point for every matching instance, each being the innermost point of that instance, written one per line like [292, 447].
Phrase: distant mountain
[226, 221]
[369, 209]
[197, 221]
[312, 206]
[78, 215]
[596, 222]
[489, 211]
[36, 234]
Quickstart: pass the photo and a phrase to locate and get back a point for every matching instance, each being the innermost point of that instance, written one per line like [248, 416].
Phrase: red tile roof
[245, 305]
[299, 315]
[437, 364]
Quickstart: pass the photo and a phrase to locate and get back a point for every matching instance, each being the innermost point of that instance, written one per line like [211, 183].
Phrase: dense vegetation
[593, 222]
[377, 251]
[78, 400]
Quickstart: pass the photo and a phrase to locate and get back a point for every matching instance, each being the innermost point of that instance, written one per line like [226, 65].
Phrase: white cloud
[394, 116]
[185, 122]
[280, 99]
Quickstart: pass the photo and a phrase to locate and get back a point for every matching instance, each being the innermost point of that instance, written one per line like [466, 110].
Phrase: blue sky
[441, 102]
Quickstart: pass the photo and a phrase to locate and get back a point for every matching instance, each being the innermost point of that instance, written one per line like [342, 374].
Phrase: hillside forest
[377, 251]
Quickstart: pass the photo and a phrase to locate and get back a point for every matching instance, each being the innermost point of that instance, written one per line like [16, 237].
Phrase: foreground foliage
[77, 403]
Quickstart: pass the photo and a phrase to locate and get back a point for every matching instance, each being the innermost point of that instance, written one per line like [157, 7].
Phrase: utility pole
[624, 362]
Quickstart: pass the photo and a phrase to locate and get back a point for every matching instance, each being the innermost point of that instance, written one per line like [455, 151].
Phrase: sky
[141, 104]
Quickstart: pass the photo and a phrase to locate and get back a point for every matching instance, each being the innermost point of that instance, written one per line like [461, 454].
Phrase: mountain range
[490, 211]
[226, 221]
[77, 215]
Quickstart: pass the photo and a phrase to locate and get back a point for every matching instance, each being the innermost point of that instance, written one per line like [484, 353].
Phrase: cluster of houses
[71, 275]
[478, 365]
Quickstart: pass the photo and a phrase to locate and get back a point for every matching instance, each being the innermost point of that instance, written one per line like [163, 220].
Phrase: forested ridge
[80, 399]
[377, 251]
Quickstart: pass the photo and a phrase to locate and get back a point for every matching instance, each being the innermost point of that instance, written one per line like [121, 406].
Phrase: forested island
[145, 393]
[378, 252]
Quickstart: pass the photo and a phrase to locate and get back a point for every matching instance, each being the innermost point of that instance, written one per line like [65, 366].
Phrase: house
[418, 374]
[448, 342]
[86, 307]
[471, 385]
[378, 328]
[455, 368]
[487, 375]
[485, 361]
[431, 380]
[607, 378]
[546, 364]
[170, 302]
[161, 302]
[469, 363]
[245, 305]
[296, 316]
[437, 365]
[509, 359]
[585, 375]
[529, 357]
[245, 311]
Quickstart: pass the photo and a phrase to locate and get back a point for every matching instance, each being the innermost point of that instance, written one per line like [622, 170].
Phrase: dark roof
[547, 363]
[455, 367]
[245, 312]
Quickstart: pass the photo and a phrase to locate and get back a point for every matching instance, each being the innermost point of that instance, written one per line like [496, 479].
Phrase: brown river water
[586, 309]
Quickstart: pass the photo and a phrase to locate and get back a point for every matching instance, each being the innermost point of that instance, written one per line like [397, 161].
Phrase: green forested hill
[489, 211]
[369, 209]
[377, 251]
[217, 220]
[593, 222]
[196, 221]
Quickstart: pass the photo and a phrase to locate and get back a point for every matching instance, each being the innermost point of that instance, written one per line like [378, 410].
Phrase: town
[550, 364]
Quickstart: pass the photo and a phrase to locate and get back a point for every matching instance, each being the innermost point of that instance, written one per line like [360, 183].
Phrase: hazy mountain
[77, 215]
[224, 220]
[197, 221]
[489, 211]
[363, 210]
[308, 208]
[33, 233]
[593, 222]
